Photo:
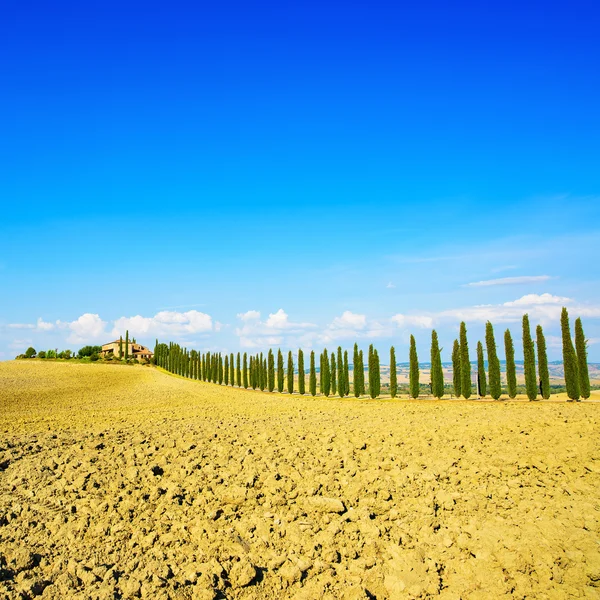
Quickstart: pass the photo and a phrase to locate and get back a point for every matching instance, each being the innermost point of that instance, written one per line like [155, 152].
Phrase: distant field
[121, 481]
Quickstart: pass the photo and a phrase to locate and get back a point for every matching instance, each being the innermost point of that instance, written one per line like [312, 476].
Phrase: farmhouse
[135, 350]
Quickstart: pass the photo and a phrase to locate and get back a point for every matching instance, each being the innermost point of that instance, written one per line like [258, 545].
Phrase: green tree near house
[393, 373]
[312, 377]
[543, 372]
[127, 344]
[280, 375]
[414, 385]
[582, 363]
[290, 373]
[270, 371]
[456, 377]
[529, 360]
[493, 362]
[569, 359]
[481, 377]
[465, 363]
[301, 374]
[511, 369]
[437, 374]
[121, 347]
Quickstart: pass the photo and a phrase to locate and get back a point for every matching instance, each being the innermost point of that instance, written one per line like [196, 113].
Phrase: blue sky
[234, 176]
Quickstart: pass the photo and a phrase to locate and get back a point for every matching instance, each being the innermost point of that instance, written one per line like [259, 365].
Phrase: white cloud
[353, 326]
[349, 320]
[276, 330]
[87, 328]
[251, 315]
[510, 280]
[421, 321]
[166, 323]
[390, 286]
[544, 308]
[40, 325]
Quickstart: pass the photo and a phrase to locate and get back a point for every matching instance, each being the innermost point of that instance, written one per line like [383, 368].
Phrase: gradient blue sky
[347, 168]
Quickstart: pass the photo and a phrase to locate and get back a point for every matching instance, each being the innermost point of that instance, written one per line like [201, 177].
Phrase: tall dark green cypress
[290, 373]
[582, 364]
[413, 369]
[481, 378]
[465, 363]
[511, 369]
[231, 370]
[543, 372]
[569, 358]
[127, 344]
[371, 364]
[220, 369]
[238, 370]
[245, 371]
[529, 360]
[361, 373]
[346, 374]
[280, 376]
[493, 362]
[312, 377]
[355, 367]
[301, 374]
[377, 373]
[437, 374]
[226, 371]
[121, 348]
[456, 378]
[341, 384]
[326, 376]
[251, 371]
[333, 374]
[271, 371]
[208, 367]
[262, 380]
[393, 373]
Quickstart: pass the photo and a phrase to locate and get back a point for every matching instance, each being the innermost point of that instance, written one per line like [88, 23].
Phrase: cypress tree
[346, 374]
[220, 369]
[251, 371]
[208, 367]
[279, 371]
[245, 372]
[264, 370]
[511, 369]
[371, 367]
[238, 370]
[333, 374]
[121, 347]
[127, 344]
[393, 373]
[493, 362]
[226, 373]
[414, 369]
[326, 376]
[481, 378]
[301, 377]
[377, 373]
[312, 377]
[582, 364]
[543, 373]
[290, 373]
[341, 386]
[355, 379]
[569, 358]
[231, 370]
[361, 374]
[437, 374]
[456, 378]
[465, 363]
[529, 360]
[262, 373]
[271, 371]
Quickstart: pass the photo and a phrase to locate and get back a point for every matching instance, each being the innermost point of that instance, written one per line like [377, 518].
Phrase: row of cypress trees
[264, 372]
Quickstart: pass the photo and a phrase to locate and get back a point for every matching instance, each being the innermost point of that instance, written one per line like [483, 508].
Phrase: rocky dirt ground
[125, 482]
